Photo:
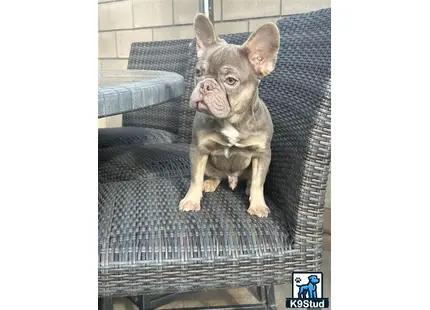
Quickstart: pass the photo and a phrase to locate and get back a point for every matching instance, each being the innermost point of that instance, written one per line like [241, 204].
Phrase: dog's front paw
[258, 209]
[189, 204]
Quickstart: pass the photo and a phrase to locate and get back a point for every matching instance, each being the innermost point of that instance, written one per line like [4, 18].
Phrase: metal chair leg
[142, 302]
[261, 294]
[145, 303]
[266, 295]
[105, 303]
[269, 296]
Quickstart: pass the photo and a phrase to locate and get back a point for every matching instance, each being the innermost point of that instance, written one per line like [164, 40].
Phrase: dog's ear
[262, 48]
[205, 34]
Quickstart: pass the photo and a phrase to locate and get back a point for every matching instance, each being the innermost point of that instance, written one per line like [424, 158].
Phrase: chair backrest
[173, 56]
[298, 96]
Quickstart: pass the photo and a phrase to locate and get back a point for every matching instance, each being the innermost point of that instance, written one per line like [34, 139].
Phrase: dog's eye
[230, 81]
[198, 72]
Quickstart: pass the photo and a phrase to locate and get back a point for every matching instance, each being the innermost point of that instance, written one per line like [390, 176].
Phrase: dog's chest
[231, 133]
[232, 136]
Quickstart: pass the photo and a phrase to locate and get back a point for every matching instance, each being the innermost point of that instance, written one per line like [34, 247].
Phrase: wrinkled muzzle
[208, 97]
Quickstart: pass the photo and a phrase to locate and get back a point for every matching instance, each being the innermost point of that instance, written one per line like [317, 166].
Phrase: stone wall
[123, 22]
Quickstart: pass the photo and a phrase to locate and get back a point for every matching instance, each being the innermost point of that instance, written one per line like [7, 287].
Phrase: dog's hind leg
[215, 176]
[246, 175]
[302, 292]
[210, 185]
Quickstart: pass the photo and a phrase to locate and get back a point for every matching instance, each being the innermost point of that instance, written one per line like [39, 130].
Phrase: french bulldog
[232, 129]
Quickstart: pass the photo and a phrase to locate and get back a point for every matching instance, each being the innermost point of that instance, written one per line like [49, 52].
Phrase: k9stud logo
[307, 291]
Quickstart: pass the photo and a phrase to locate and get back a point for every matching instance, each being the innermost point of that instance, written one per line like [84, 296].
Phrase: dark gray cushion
[110, 137]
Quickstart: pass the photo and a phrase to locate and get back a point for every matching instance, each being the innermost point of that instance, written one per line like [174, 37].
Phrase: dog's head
[227, 75]
[313, 279]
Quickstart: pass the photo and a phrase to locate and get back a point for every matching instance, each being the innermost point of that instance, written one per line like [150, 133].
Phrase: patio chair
[152, 253]
[159, 123]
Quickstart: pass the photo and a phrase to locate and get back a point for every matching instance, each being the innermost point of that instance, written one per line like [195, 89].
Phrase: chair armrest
[300, 165]
[298, 95]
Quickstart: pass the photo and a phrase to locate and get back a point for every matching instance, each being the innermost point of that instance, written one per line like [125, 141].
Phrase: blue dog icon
[309, 289]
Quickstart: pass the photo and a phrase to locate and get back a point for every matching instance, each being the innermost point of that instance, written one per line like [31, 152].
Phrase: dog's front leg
[260, 167]
[313, 293]
[191, 201]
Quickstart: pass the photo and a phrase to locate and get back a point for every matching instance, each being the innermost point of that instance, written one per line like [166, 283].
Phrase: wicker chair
[148, 248]
[159, 123]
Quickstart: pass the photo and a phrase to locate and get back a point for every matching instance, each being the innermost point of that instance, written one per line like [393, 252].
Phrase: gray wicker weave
[172, 56]
[146, 246]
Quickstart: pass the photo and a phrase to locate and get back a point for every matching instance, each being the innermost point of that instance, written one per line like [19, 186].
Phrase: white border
[48, 130]
[380, 162]
[380, 165]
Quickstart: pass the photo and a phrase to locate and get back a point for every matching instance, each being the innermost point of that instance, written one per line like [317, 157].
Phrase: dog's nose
[206, 86]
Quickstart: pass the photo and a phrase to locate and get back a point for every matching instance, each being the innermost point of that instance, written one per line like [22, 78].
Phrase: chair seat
[109, 137]
[147, 246]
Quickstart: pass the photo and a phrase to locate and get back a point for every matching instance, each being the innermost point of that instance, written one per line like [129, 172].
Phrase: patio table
[128, 90]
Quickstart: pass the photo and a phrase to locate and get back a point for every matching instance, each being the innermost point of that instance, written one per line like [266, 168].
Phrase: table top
[127, 90]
